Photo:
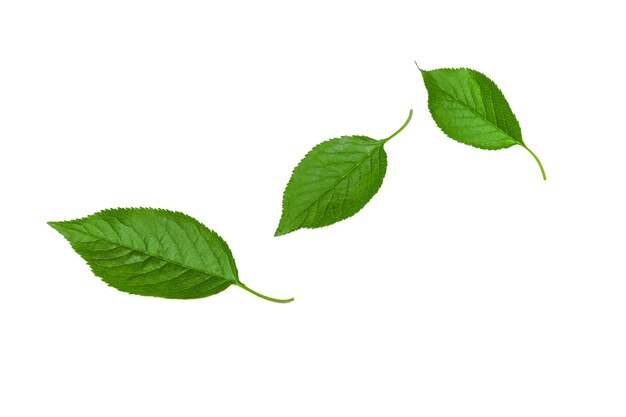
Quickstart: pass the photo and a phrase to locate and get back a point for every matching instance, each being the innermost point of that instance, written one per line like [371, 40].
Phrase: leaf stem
[536, 159]
[402, 127]
[250, 290]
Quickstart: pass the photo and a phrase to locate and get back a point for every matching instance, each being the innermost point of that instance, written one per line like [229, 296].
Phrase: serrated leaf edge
[380, 144]
[517, 142]
[222, 242]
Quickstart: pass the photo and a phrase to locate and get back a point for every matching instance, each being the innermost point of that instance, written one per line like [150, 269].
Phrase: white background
[466, 287]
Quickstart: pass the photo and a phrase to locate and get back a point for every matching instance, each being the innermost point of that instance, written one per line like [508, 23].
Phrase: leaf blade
[470, 108]
[319, 192]
[333, 182]
[140, 251]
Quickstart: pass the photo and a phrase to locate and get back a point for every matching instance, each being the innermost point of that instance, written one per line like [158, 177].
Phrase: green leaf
[154, 252]
[334, 181]
[471, 109]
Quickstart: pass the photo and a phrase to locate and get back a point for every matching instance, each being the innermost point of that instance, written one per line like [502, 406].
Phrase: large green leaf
[334, 181]
[470, 108]
[154, 252]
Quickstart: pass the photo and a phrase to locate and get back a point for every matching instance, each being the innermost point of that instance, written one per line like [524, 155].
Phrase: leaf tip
[280, 231]
[284, 227]
[54, 225]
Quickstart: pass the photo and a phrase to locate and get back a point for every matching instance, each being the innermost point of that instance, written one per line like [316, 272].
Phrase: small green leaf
[334, 181]
[154, 252]
[470, 108]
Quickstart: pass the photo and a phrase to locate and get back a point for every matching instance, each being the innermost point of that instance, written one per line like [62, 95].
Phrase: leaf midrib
[379, 144]
[159, 257]
[476, 113]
